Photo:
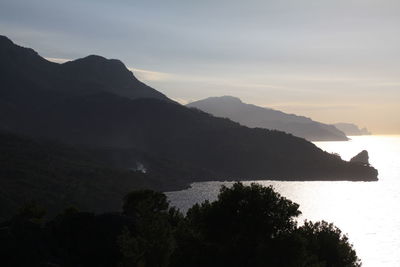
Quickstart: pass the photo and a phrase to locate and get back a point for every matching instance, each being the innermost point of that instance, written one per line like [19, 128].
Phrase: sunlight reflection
[366, 211]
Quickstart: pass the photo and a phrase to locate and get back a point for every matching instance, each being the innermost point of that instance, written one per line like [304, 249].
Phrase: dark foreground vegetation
[245, 226]
[56, 176]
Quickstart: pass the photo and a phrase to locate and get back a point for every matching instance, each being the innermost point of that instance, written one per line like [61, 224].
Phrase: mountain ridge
[66, 108]
[255, 116]
[88, 75]
[177, 144]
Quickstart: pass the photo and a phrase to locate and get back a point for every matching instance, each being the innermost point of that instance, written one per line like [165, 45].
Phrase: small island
[361, 158]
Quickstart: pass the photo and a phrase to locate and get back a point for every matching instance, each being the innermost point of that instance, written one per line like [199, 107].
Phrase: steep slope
[214, 148]
[57, 176]
[255, 116]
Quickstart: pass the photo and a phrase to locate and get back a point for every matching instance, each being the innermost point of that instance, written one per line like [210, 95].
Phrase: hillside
[57, 176]
[255, 116]
[41, 99]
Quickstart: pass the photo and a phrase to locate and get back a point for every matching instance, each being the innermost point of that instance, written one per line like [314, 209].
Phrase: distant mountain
[255, 116]
[88, 103]
[351, 129]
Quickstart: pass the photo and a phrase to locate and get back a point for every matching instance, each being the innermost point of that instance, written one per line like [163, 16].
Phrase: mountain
[23, 68]
[351, 129]
[86, 104]
[255, 116]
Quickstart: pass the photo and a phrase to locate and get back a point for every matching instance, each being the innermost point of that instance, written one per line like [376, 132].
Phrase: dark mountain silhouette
[23, 69]
[351, 129]
[86, 103]
[255, 116]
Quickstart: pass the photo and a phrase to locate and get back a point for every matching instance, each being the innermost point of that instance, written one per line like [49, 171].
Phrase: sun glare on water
[366, 211]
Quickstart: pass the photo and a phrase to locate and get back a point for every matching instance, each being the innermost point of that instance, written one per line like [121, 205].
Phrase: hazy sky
[330, 60]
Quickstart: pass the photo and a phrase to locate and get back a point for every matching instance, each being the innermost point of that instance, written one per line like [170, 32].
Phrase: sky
[333, 61]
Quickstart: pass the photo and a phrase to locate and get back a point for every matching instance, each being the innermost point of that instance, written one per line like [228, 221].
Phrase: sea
[368, 212]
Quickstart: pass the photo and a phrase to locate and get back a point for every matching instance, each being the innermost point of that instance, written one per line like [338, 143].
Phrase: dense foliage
[57, 176]
[246, 226]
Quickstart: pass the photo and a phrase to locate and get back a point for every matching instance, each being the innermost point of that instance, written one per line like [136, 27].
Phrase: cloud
[57, 60]
[149, 75]
[385, 84]
[181, 101]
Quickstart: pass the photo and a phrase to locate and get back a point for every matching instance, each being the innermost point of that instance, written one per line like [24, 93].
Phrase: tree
[22, 242]
[145, 202]
[243, 226]
[327, 245]
[255, 226]
[151, 242]
[246, 226]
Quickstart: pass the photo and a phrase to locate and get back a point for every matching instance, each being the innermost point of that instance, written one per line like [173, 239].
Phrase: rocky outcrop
[362, 158]
[351, 129]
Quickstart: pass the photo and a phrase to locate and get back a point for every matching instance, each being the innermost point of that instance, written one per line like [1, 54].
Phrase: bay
[367, 211]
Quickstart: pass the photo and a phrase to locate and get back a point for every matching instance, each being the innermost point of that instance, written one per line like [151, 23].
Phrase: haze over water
[367, 211]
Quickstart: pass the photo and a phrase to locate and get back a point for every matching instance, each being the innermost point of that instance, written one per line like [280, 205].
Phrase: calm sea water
[369, 212]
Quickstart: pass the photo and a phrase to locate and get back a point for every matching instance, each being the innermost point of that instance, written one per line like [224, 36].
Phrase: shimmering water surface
[369, 212]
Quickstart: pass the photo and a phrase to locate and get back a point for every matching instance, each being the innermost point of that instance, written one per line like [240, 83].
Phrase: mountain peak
[11, 53]
[230, 98]
[5, 40]
[221, 99]
[81, 76]
[96, 60]
[100, 68]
